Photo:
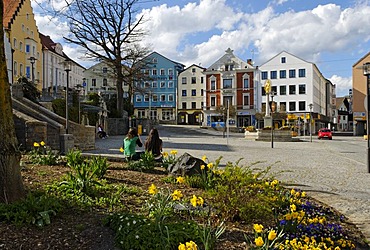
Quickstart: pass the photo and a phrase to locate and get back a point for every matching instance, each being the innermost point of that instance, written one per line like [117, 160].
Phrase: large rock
[186, 165]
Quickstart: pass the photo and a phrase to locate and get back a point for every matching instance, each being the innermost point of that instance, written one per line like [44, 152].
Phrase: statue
[268, 86]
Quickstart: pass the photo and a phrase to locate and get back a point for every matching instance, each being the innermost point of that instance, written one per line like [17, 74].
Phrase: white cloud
[343, 84]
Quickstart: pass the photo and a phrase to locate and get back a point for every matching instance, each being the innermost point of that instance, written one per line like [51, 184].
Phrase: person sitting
[101, 132]
[153, 144]
[129, 145]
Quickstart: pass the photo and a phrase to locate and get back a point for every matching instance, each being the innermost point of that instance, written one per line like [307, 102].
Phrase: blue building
[155, 97]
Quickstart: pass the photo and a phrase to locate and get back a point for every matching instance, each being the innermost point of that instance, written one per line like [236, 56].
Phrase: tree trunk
[11, 185]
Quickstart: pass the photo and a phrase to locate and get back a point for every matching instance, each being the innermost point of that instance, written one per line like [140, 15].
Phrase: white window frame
[163, 84]
[163, 98]
[212, 79]
[138, 98]
[246, 105]
[170, 98]
[246, 77]
[170, 84]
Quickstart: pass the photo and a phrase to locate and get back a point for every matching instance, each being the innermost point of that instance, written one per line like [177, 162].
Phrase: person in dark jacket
[153, 144]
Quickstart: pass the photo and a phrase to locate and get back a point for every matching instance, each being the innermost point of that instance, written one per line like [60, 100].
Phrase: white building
[191, 96]
[296, 84]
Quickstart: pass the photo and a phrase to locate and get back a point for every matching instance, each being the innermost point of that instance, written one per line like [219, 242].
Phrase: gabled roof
[362, 58]
[194, 65]
[47, 42]
[229, 58]
[154, 52]
[282, 53]
[11, 8]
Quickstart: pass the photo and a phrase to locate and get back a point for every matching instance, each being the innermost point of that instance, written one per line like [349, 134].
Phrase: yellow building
[23, 35]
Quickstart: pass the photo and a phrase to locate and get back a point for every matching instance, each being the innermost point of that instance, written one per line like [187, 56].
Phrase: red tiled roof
[11, 8]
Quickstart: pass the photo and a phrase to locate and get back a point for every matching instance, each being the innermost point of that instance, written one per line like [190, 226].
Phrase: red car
[325, 132]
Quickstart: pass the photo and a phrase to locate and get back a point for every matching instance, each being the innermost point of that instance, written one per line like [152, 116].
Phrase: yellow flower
[274, 182]
[153, 189]
[193, 201]
[272, 235]
[303, 194]
[292, 192]
[259, 241]
[200, 201]
[173, 152]
[176, 195]
[182, 247]
[210, 165]
[258, 228]
[121, 150]
[180, 179]
[191, 245]
[42, 143]
[202, 167]
[204, 158]
[293, 207]
[36, 145]
[165, 154]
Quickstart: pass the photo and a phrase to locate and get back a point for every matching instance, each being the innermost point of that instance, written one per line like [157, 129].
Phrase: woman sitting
[129, 144]
[153, 144]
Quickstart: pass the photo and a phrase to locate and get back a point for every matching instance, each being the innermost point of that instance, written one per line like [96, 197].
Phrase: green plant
[43, 155]
[74, 158]
[147, 162]
[98, 166]
[169, 158]
[210, 234]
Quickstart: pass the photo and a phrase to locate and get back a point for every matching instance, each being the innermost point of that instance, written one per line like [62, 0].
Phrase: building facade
[230, 81]
[156, 96]
[191, 96]
[296, 85]
[359, 83]
[22, 33]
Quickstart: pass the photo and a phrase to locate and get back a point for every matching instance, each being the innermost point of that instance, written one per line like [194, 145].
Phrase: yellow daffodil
[303, 194]
[121, 150]
[193, 201]
[42, 143]
[153, 189]
[292, 192]
[36, 144]
[210, 165]
[258, 228]
[272, 235]
[182, 247]
[200, 201]
[180, 180]
[274, 182]
[202, 167]
[259, 241]
[204, 158]
[173, 152]
[191, 245]
[176, 195]
[293, 208]
[165, 154]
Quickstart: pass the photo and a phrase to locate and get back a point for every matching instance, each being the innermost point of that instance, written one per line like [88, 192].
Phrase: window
[162, 72]
[193, 80]
[140, 113]
[193, 105]
[292, 73]
[163, 84]
[302, 89]
[264, 75]
[155, 84]
[193, 70]
[202, 92]
[170, 72]
[15, 45]
[201, 79]
[202, 104]
[183, 105]
[246, 100]
[302, 106]
[15, 67]
[282, 106]
[170, 98]
[263, 91]
[274, 89]
[213, 101]
[146, 72]
[28, 16]
[155, 98]
[283, 90]
[28, 72]
[21, 69]
[167, 114]
[20, 46]
[138, 98]
[155, 60]
[246, 81]
[105, 70]
[146, 98]
[213, 84]
[282, 74]
[283, 59]
[183, 80]
[183, 93]
[28, 48]
[302, 72]
[170, 85]
[292, 90]
[105, 82]
[93, 82]
[154, 72]
[291, 106]
[273, 74]
[227, 83]
[193, 92]
[163, 98]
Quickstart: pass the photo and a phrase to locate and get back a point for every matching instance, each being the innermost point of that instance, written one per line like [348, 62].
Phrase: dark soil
[79, 229]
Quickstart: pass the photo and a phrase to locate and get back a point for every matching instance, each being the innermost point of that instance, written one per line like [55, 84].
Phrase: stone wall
[117, 126]
[279, 135]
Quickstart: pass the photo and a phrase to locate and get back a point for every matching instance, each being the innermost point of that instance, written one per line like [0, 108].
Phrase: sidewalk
[335, 173]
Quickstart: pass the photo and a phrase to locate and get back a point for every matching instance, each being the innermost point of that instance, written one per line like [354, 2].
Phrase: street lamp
[366, 68]
[67, 69]
[310, 106]
[32, 61]
[273, 107]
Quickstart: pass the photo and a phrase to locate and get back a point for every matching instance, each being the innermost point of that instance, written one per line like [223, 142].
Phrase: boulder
[186, 164]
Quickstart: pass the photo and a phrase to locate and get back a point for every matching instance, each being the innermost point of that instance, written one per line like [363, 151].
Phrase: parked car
[325, 133]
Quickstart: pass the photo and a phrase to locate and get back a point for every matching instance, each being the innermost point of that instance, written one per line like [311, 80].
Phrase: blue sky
[332, 34]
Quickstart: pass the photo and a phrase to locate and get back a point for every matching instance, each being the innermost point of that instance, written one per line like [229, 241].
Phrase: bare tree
[108, 31]
[11, 185]
[222, 110]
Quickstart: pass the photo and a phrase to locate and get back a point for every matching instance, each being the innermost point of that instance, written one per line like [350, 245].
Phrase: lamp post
[272, 118]
[366, 68]
[310, 106]
[32, 61]
[67, 69]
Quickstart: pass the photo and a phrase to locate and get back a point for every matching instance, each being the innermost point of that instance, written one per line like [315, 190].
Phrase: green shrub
[147, 162]
[43, 155]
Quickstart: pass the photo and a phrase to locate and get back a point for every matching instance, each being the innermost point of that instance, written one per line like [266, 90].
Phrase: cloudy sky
[332, 34]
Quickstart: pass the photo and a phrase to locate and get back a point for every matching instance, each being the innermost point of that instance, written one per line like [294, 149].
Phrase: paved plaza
[334, 172]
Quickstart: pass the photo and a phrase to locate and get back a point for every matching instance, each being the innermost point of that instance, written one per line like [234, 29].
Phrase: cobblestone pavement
[334, 172]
